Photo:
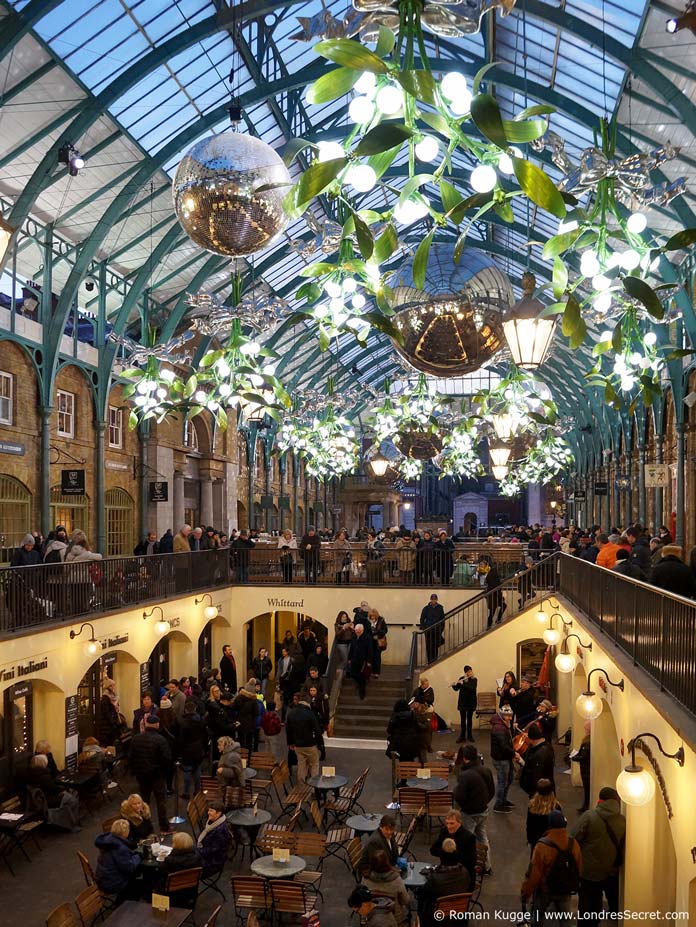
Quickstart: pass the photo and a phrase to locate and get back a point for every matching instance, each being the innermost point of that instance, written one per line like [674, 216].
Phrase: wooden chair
[407, 770]
[107, 822]
[481, 867]
[212, 920]
[355, 791]
[311, 846]
[439, 769]
[336, 837]
[210, 787]
[262, 789]
[411, 801]
[268, 841]
[291, 897]
[237, 797]
[249, 892]
[487, 705]
[459, 903]
[90, 905]
[404, 838]
[354, 852]
[197, 813]
[437, 805]
[27, 829]
[62, 916]
[261, 760]
[182, 888]
[87, 870]
[297, 795]
[7, 845]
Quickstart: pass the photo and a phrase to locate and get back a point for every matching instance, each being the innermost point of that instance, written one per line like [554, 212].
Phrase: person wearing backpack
[601, 833]
[554, 872]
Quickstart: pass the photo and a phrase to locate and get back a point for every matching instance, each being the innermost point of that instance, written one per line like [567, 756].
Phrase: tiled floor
[54, 875]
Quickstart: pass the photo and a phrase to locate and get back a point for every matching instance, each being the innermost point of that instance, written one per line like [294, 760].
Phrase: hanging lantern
[499, 472]
[379, 464]
[499, 454]
[528, 333]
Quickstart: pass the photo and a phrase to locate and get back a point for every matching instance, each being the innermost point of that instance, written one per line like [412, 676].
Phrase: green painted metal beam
[14, 26]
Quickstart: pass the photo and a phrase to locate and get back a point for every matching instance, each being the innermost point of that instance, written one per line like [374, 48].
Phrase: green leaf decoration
[317, 177]
[573, 325]
[601, 348]
[295, 146]
[681, 240]
[558, 244]
[382, 137]
[486, 115]
[221, 418]
[578, 336]
[324, 340]
[386, 244]
[480, 74]
[540, 109]
[504, 210]
[413, 184]
[420, 84]
[366, 242]
[437, 122]
[209, 358]
[351, 54]
[538, 187]
[617, 338]
[560, 278]
[331, 86]
[450, 196]
[310, 291]
[316, 270]
[420, 260]
[132, 421]
[383, 161]
[526, 131]
[678, 353]
[386, 40]
[190, 386]
[644, 293]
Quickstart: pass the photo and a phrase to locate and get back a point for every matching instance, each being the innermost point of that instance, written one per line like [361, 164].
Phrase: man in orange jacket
[607, 552]
[554, 872]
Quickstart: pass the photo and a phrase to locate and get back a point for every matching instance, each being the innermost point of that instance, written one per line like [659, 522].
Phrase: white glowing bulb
[143, 387]
[389, 100]
[358, 301]
[161, 626]
[567, 226]
[210, 612]
[269, 370]
[336, 305]
[427, 149]
[589, 265]
[630, 259]
[605, 336]
[636, 358]
[650, 338]
[199, 396]
[636, 223]
[140, 400]
[589, 706]
[366, 83]
[167, 375]
[332, 289]
[601, 283]
[453, 85]
[251, 348]
[361, 110]
[505, 165]
[361, 177]
[330, 151]
[255, 379]
[565, 662]
[483, 178]
[635, 786]
[410, 211]
[614, 260]
[224, 389]
[552, 636]
[350, 285]
[462, 105]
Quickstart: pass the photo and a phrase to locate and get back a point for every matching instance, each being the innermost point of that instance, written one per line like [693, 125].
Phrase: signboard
[656, 476]
[159, 491]
[580, 495]
[9, 447]
[144, 677]
[284, 503]
[266, 502]
[71, 747]
[108, 659]
[319, 506]
[72, 482]
[601, 489]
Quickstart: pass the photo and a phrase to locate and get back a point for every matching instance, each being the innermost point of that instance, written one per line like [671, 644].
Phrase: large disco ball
[418, 445]
[218, 197]
[453, 325]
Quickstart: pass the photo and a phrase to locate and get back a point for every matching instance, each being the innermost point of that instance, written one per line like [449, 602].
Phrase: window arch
[120, 523]
[15, 511]
[190, 435]
[70, 511]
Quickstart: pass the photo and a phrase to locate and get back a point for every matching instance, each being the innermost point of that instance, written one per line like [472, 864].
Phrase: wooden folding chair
[458, 903]
[212, 920]
[261, 760]
[27, 829]
[311, 846]
[437, 805]
[87, 870]
[90, 905]
[486, 707]
[238, 797]
[411, 801]
[182, 888]
[107, 822]
[297, 795]
[62, 916]
[354, 852]
[211, 789]
[404, 838]
[439, 769]
[336, 837]
[268, 841]
[406, 769]
[249, 893]
[291, 897]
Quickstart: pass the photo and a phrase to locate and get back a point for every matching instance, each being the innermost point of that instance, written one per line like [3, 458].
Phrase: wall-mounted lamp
[92, 646]
[210, 611]
[635, 785]
[407, 506]
[551, 635]
[161, 626]
[566, 661]
[589, 704]
[541, 614]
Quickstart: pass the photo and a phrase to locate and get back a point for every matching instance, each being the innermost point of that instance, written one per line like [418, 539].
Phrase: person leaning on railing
[342, 558]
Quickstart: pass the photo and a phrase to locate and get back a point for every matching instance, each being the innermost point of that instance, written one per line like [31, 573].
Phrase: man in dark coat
[640, 551]
[672, 574]
[228, 669]
[601, 834]
[473, 792]
[466, 702]
[449, 878]
[624, 567]
[166, 542]
[240, 553]
[149, 759]
[359, 656]
[26, 554]
[148, 547]
[310, 548]
[381, 839]
[464, 841]
[444, 557]
[538, 762]
[431, 621]
[502, 755]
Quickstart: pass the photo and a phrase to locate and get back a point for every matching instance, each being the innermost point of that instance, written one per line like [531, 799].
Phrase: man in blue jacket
[117, 864]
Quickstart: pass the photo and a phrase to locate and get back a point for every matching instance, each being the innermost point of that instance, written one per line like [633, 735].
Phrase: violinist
[523, 702]
[508, 690]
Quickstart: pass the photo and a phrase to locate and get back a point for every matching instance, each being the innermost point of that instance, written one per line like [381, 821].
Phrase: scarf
[113, 697]
[210, 826]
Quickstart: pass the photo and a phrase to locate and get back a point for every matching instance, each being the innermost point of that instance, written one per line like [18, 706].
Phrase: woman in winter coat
[319, 703]
[377, 627]
[406, 558]
[245, 704]
[508, 690]
[425, 559]
[402, 733]
[385, 880]
[344, 634]
[214, 840]
[81, 575]
[117, 863]
[261, 668]
[342, 554]
[218, 721]
[190, 747]
[540, 806]
[110, 724]
[184, 855]
[230, 769]
[137, 813]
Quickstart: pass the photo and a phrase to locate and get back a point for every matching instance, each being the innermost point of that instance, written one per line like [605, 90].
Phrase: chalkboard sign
[144, 677]
[601, 489]
[72, 482]
[159, 491]
[71, 731]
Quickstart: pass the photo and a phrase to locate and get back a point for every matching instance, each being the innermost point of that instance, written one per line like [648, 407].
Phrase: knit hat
[165, 703]
[28, 539]
[546, 704]
[506, 710]
[556, 819]
[250, 687]
[152, 720]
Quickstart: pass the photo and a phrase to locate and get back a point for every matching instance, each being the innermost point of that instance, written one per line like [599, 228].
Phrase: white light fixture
[407, 506]
[483, 178]
[161, 626]
[379, 464]
[389, 100]
[330, 151]
[361, 110]
[361, 177]
[453, 85]
[92, 646]
[636, 223]
[527, 332]
[210, 611]
[505, 165]
[634, 784]
[366, 83]
[427, 149]
[499, 454]
[565, 662]
[499, 473]
[541, 614]
[589, 704]
[686, 21]
[552, 636]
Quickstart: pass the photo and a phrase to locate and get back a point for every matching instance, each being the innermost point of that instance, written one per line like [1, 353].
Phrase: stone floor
[54, 876]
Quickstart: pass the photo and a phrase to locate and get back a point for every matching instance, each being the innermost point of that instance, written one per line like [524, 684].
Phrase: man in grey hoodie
[601, 833]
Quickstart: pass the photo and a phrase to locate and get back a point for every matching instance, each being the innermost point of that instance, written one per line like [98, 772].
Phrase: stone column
[642, 459]
[680, 429]
[178, 501]
[99, 490]
[659, 491]
[206, 517]
[231, 495]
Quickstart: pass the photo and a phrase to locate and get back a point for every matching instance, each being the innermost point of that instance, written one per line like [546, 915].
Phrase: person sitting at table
[464, 841]
[372, 910]
[449, 878]
[61, 808]
[44, 748]
[92, 761]
[382, 839]
[117, 864]
[385, 879]
[184, 855]
[137, 813]
[230, 770]
[214, 840]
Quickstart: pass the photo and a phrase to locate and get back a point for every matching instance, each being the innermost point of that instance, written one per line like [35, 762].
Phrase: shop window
[120, 521]
[15, 511]
[190, 516]
[6, 398]
[66, 414]
[115, 427]
[190, 436]
[70, 511]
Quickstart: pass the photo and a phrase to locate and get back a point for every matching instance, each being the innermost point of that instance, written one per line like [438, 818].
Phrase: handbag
[382, 643]
[433, 722]
[366, 670]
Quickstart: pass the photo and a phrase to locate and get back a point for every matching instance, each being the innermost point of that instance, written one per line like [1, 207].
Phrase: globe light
[505, 165]
[92, 648]
[541, 615]
[552, 636]
[589, 264]
[361, 177]
[499, 473]
[650, 338]
[462, 105]
[635, 785]
[410, 211]
[332, 289]
[600, 282]
[210, 612]
[636, 223]
[167, 375]
[602, 302]
[453, 85]
[630, 259]
[565, 662]
[427, 149]
[361, 110]
[161, 626]
[330, 151]
[483, 178]
[589, 705]
[567, 225]
[389, 100]
[358, 301]
[350, 285]
[366, 83]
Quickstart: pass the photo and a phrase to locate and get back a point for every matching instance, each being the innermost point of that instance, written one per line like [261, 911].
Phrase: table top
[244, 817]
[414, 877]
[434, 784]
[76, 778]
[324, 782]
[367, 823]
[249, 773]
[266, 867]
[142, 914]
[6, 824]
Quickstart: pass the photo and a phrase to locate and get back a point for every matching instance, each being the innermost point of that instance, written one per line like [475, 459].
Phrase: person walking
[540, 806]
[473, 792]
[554, 872]
[228, 669]
[601, 833]
[466, 703]
[305, 738]
[378, 630]
[360, 659]
[502, 755]
[261, 668]
[432, 623]
[583, 759]
[538, 762]
[190, 744]
[342, 558]
[403, 740]
[494, 593]
[149, 759]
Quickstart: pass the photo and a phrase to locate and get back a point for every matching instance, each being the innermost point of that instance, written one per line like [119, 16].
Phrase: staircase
[367, 719]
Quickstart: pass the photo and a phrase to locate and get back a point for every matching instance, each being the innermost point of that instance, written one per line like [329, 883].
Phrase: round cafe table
[430, 785]
[363, 823]
[414, 878]
[244, 818]
[324, 784]
[267, 868]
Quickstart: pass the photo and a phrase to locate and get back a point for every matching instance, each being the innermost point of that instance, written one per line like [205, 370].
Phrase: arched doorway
[118, 665]
[16, 733]
[171, 658]
[470, 524]
[269, 629]
[15, 513]
[120, 523]
[70, 511]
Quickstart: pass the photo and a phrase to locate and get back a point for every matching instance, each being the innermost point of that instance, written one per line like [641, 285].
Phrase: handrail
[334, 681]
